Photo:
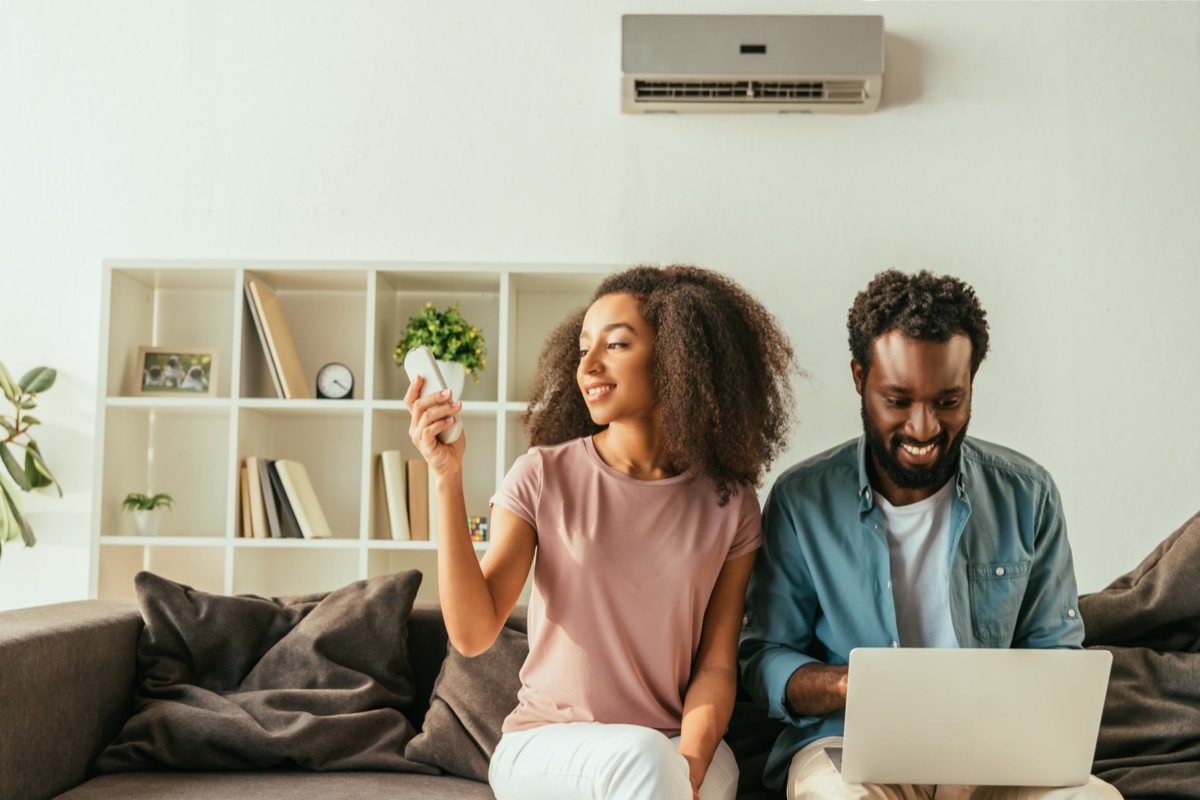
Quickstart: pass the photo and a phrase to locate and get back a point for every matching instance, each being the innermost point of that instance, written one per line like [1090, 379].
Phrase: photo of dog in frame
[173, 370]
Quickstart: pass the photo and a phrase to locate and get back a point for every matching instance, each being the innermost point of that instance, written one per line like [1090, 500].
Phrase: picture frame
[177, 371]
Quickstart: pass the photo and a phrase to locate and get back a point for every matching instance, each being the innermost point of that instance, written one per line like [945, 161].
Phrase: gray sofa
[67, 680]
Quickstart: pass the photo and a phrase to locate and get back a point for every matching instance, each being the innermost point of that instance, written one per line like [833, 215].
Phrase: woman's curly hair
[722, 375]
[924, 307]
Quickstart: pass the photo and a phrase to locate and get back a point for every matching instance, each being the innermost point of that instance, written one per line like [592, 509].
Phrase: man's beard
[905, 477]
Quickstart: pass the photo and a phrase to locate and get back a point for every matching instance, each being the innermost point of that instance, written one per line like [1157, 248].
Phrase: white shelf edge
[276, 404]
[389, 544]
[313, 544]
[172, 402]
[131, 540]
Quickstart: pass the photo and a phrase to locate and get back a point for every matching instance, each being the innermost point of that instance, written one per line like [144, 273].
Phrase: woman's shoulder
[572, 448]
[552, 457]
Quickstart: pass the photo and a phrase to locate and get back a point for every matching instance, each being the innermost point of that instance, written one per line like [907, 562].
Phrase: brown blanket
[1149, 619]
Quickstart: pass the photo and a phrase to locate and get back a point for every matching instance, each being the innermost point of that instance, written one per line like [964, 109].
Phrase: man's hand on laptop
[817, 689]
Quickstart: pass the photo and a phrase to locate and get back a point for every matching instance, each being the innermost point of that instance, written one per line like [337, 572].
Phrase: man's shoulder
[998, 460]
[839, 463]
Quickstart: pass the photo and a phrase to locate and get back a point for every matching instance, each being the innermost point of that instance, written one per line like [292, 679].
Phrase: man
[912, 535]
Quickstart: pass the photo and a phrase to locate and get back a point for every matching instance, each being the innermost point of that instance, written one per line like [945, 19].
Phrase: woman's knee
[647, 765]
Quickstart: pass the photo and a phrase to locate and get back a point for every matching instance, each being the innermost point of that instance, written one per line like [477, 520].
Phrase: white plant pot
[455, 375]
[146, 522]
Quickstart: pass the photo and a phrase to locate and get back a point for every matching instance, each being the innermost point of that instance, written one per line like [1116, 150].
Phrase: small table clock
[335, 382]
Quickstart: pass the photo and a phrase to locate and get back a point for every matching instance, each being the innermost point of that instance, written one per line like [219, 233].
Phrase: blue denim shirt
[821, 584]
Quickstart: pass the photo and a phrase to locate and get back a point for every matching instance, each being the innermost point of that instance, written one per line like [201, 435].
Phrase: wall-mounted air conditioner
[704, 63]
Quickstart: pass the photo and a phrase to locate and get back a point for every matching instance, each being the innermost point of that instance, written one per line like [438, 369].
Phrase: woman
[655, 412]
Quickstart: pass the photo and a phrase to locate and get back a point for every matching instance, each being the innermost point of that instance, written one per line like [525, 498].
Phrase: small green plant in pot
[145, 510]
[456, 344]
[14, 433]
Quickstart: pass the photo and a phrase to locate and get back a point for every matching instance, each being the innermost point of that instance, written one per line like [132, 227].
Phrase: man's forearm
[817, 689]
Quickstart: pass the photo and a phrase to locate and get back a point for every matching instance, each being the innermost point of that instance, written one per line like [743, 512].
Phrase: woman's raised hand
[430, 416]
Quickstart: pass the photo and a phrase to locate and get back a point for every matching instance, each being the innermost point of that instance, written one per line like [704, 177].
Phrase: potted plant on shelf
[456, 344]
[145, 510]
[34, 475]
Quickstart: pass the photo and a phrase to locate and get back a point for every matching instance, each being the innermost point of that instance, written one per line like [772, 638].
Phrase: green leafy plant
[136, 501]
[448, 335]
[29, 473]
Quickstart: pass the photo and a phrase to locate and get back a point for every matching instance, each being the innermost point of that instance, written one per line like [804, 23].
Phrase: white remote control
[420, 361]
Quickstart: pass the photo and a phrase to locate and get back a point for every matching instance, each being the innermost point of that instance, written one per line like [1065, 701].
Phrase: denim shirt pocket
[997, 590]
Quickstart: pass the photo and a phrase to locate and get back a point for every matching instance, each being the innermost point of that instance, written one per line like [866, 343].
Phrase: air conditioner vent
[807, 92]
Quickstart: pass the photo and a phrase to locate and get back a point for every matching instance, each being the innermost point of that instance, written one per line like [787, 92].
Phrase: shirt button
[746, 620]
[1000, 571]
[895, 643]
[889, 584]
[867, 494]
[1071, 613]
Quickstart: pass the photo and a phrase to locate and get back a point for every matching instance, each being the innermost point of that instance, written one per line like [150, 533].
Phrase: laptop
[973, 716]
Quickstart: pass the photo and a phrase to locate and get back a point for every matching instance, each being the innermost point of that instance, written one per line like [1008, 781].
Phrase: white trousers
[597, 761]
[813, 775]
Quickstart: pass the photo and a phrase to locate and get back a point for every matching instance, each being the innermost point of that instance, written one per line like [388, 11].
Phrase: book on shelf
[289, 526]
[270, 502]
[280, 345]
[299, 491]
[418, 499]
[244, 483]
[258, 511]
[262, 338]
[391, 468]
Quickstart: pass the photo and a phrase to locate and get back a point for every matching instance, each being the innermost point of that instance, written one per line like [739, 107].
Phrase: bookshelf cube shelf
[193, 446]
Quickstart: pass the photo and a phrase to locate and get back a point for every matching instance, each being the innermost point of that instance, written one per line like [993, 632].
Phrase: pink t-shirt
[623, 574]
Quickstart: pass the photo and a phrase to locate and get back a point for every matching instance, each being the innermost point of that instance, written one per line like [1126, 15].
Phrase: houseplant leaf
[12, 509]
[7, 385]
[38, 379]
[33, 458]
[8, 426]
[9, 529]
[14, 468]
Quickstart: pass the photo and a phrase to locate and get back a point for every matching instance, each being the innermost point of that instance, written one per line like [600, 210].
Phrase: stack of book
[278, 346]
[410, 492]
[278, 501]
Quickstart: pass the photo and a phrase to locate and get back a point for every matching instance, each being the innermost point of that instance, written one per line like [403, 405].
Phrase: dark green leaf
[46, 477]
[37, 479]
[14, 468]
[38, 379]
[29, 419]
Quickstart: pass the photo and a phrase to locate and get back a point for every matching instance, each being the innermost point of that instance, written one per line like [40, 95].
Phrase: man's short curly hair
[924, 307]
[722, 375]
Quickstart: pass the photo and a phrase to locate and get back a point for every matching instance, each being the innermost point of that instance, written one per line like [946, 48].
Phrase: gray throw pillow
[318, 681]
[470, 700]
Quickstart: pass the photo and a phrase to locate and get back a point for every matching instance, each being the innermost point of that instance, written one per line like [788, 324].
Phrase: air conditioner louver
[696, 63]
[841, 92]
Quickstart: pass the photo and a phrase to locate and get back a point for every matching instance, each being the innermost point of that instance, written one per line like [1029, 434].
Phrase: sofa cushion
[470, 700]
[317, 681]
[277, 785]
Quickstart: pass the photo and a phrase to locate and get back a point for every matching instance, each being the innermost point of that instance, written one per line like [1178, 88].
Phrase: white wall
[1045, 152]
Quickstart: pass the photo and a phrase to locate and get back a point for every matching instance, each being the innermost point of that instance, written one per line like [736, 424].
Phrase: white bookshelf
[192, 447]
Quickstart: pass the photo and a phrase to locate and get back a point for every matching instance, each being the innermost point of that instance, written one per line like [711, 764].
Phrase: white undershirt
[919, 544]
